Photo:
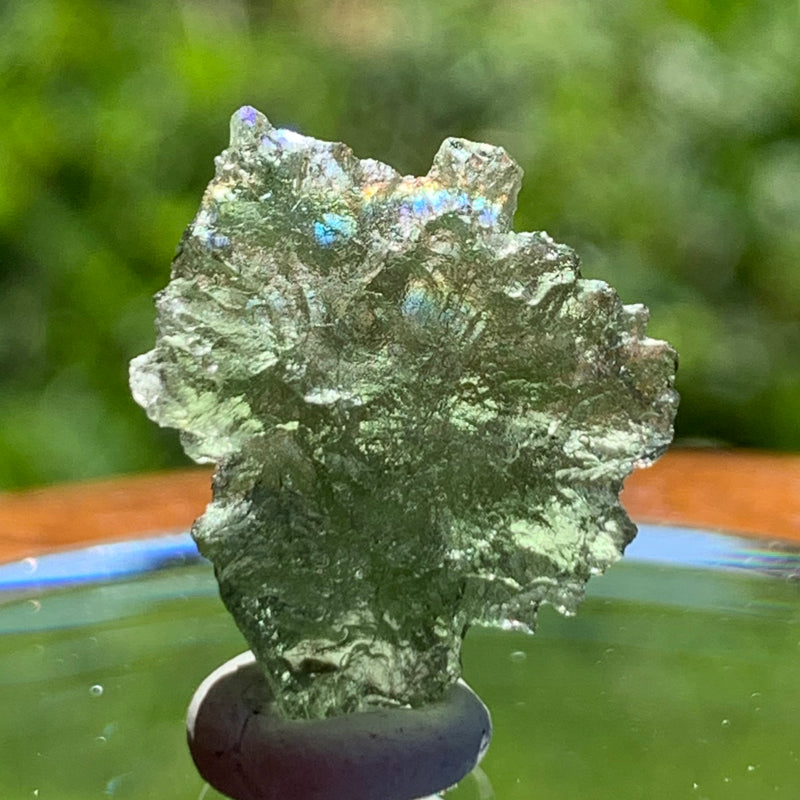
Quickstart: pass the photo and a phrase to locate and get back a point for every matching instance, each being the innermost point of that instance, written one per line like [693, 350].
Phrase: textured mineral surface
[420, 419]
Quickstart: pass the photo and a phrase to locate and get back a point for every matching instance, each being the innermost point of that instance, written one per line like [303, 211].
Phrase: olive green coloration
[420, 418]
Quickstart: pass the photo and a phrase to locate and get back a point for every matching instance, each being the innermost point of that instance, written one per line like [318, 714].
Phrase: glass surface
[675, 680]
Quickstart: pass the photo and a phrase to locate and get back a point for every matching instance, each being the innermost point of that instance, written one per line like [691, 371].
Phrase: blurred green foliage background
[660, 139]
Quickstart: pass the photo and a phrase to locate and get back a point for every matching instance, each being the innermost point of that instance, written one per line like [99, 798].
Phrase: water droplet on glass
[518, 655]
[31, 564]
[96, 690]
[35, 605]
[726, 723]
[751, 767]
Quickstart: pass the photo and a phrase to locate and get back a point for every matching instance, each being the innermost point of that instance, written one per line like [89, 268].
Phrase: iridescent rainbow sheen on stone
[420, 418]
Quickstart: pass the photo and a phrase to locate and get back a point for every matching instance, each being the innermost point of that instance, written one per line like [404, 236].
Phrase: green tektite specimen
[420, 418]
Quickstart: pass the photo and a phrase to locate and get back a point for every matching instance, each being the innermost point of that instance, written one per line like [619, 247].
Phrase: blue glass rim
[655, 544]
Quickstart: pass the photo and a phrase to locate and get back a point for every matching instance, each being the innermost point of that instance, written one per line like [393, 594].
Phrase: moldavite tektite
[420, 419]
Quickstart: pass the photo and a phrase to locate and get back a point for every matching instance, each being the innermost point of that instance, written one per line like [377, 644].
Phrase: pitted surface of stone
[421, 419]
